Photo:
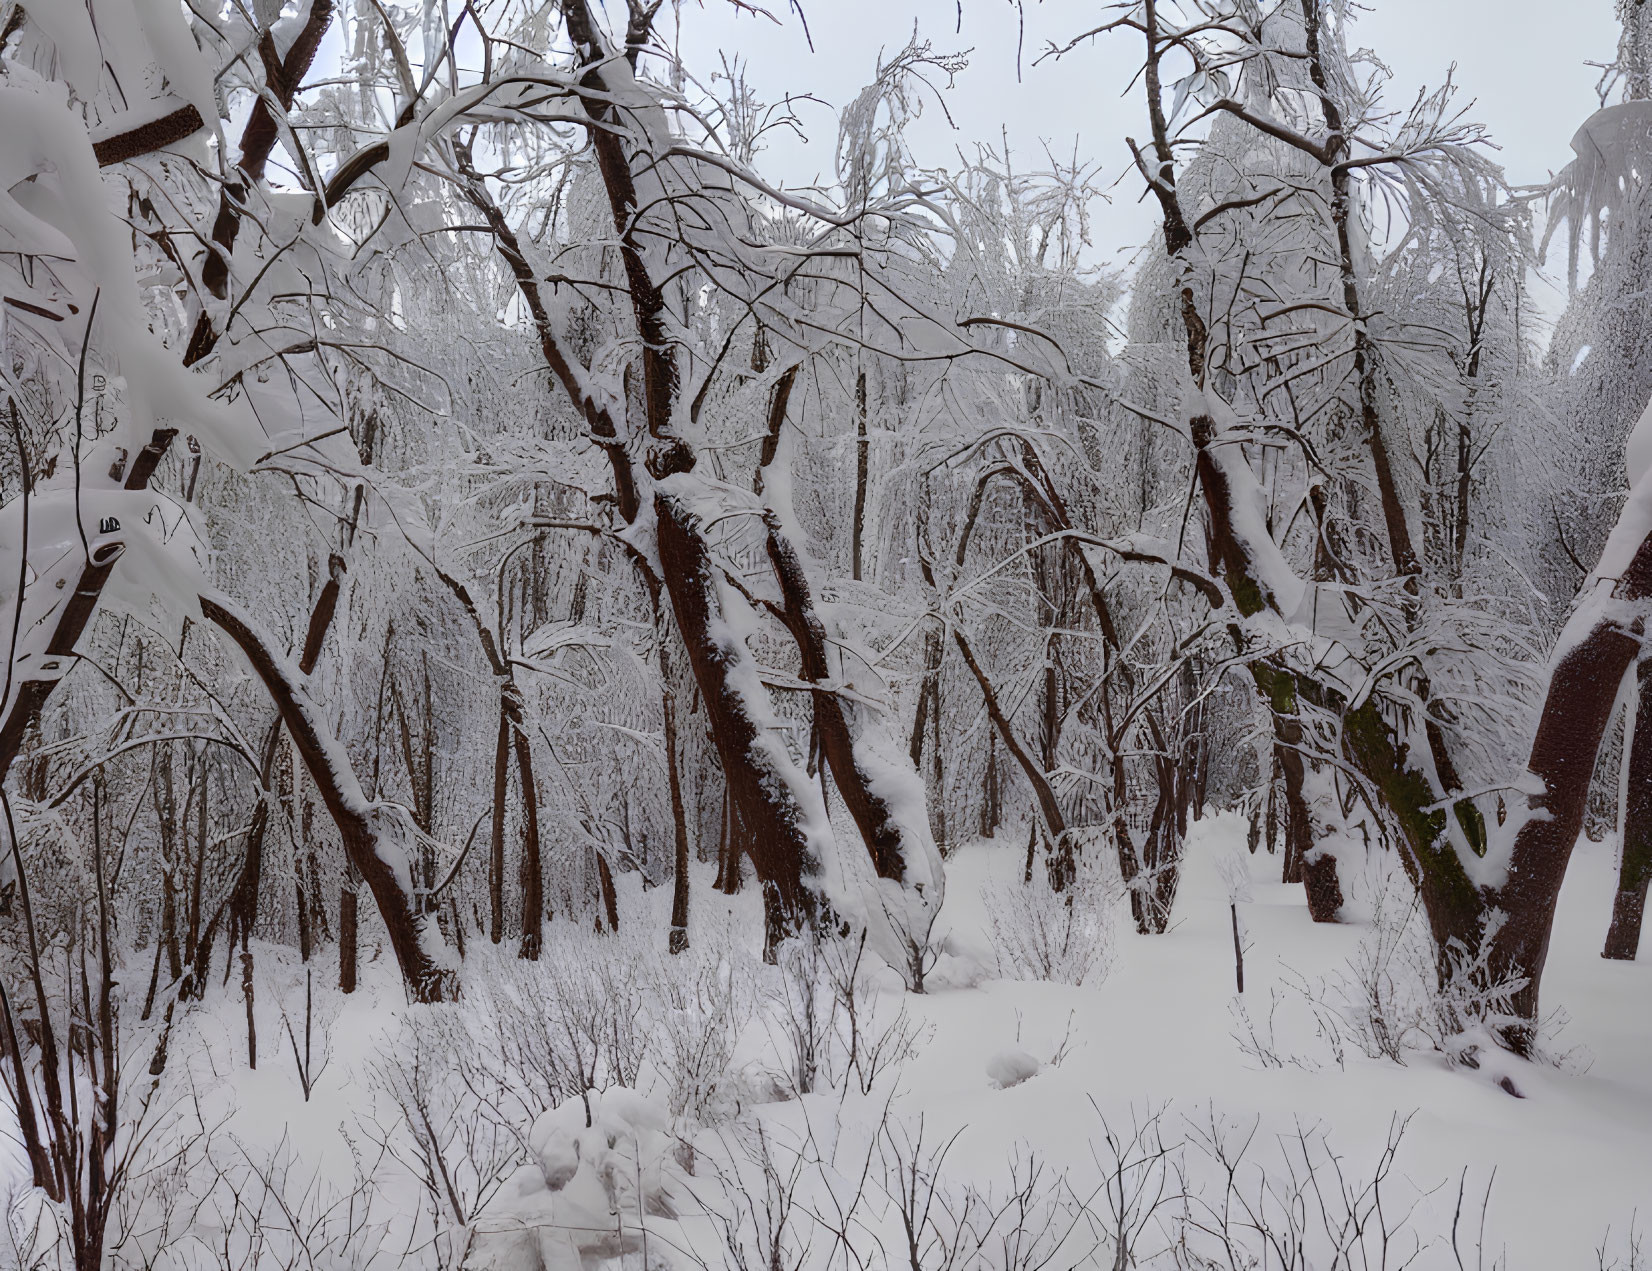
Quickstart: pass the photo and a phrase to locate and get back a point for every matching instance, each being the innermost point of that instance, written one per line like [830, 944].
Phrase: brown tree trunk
[196, 983]
[496, 843]
[1623, 937]
[992, 811]
[1598, 646]
[282, 76]
[347, 938]
[1582, 693]
[387, 873]
[880, 828]
[1315, 869]
[76, 613]
[928, 717]
[678, 939]
[897, 849]
[1049, 808]
[243, 898]
[774, 823]
[610, 897]
[532, 878]
[247, 995]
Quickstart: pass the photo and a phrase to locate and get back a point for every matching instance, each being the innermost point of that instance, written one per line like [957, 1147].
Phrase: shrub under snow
[1066, 935]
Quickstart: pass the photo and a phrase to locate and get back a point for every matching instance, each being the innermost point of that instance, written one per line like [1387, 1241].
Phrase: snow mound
[599, 1167]
[1012, 1066]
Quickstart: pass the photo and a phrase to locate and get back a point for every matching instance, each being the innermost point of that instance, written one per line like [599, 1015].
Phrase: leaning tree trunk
[772, 797]
[367, 830]
[283, 75]
[1623, 937]
[782, 814]
[76, 611]
[1597, 649]
[1513, 921]
[883, 795]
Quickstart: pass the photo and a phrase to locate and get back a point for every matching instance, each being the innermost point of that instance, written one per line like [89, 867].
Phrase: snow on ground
[1573, 1158]
[1013, 1067]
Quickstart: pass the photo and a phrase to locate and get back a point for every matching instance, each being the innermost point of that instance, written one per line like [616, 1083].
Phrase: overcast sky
[1522, 62]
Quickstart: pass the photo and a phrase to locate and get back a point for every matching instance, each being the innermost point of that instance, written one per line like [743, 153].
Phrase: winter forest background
[615, 666]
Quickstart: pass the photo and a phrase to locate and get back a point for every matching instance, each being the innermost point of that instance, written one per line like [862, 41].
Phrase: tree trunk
[1598, 645]
[1597, 650]
[1623, 937]
[75, 615]
[532, 878]
[283, 75]
[863, 447]
[775, 803]
[610, 897]
[367, 831]
[496, 843]
[1315, 869]
[928, 717]
[678, 940]
[1049, 808]
[347, 938]
[864, 761]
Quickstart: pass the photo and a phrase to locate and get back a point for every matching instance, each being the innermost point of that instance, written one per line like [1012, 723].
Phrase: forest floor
[1159, 1043]
[1572, 1159]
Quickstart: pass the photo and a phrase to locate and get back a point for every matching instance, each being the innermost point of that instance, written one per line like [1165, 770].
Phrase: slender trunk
[192, 944]
[28, 1120]
[992, 813]
[1298, 839]
[169, 932]
[678, 939]
[1049, 808]
[347, 937]
[243, 901]
[929, 717]
[1271, 828]
[724, 835]
[863, 447]
[496, 844]
[532, 876]
[154, 982]
[302, 902]
[1401, 550]
[1623, 937]
[50, 1070]
[610, 897]
[246, 993]
[1153, 884]
[1465, 454]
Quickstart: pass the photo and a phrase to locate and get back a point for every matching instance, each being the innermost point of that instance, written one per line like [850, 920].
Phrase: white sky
[1520, 61]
